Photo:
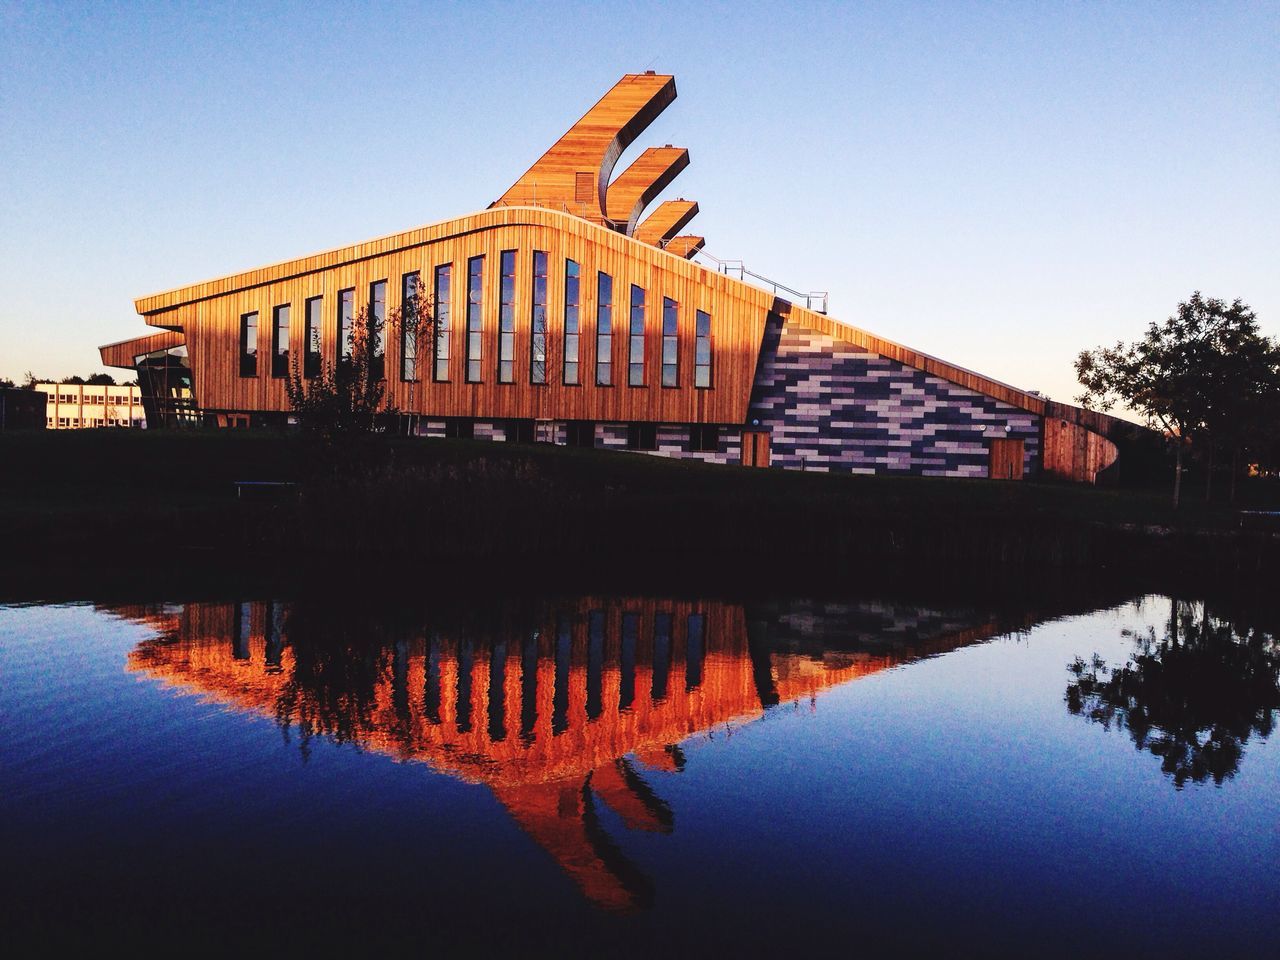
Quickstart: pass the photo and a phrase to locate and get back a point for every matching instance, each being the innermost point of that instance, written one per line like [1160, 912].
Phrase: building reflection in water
[559, 710]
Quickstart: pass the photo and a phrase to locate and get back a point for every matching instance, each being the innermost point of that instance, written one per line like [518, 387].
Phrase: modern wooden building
[564, 314]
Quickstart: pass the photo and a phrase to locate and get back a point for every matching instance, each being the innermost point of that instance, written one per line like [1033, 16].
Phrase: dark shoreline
[152, 514]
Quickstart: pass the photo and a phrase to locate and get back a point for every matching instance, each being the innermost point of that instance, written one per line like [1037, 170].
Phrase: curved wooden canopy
[665, 222]
[574, 174]
[637, 186]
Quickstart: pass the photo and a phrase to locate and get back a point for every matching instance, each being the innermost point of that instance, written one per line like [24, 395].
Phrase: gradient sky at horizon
[998, 184]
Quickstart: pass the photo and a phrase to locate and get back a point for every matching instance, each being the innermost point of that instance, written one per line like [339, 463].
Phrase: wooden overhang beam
[666, 221]
[125, 352]
[685, 246]
[574, 174]
[638, 185]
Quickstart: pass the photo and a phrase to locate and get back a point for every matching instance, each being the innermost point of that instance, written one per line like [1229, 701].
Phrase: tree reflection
[1192, 697]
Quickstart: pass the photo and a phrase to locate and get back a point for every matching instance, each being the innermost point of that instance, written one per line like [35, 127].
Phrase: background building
[75, 406]
[21, 409]
[561, 314]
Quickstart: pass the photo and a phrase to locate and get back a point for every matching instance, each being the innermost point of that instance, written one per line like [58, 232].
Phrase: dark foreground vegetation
[95, 509]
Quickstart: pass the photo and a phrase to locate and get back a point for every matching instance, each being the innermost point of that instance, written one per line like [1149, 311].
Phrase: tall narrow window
[444, 273]
[604, 329]
[346, 311]
[570, 322]
[249, 345]
[695, 650]
[702, 350]
[410, 284]
[377, 329]
[475, 306]
[635, 366]
[507, 319]
[670, 343]
[538, 320]
[315, 317]
[280, 341]
[661, 655]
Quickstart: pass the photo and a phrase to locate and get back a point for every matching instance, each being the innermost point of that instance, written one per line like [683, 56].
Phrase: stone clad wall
[832, 406]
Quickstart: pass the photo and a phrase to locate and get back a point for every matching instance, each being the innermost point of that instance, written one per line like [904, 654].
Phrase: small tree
[1198, 377]
[351, 396]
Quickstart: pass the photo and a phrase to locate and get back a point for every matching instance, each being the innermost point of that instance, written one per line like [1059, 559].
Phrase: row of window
[662, 648]
[442, 300]
[92, 399]
[641, 435]
[65, 423]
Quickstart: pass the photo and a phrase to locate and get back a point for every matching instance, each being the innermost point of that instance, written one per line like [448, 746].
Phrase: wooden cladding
[124, 353]
[206, 316]
[468, 260]
[637, 186]
[665, 222]
[1074, 452]
[685, 246]
[1005, 459]
[573, 174]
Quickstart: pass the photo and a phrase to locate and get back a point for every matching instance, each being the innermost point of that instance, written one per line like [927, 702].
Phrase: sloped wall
[833, 406]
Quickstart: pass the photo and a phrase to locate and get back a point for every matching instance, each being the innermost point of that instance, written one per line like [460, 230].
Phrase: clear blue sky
[999, 184]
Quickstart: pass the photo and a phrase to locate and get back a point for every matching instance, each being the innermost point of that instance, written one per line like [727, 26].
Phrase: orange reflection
[556, 716]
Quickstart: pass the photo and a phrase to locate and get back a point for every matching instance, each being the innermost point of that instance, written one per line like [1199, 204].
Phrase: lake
[645, 775]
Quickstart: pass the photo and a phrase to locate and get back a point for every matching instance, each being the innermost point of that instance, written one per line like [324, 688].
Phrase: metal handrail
[815, 300]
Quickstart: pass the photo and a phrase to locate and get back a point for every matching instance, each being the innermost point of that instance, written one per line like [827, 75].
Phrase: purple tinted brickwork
[833, 406]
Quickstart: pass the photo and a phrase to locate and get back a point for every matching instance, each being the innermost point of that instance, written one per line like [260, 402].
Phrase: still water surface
[641, 776]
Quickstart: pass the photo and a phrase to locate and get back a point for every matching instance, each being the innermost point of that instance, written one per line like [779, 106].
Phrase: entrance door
[1006, 460]
[755, 448]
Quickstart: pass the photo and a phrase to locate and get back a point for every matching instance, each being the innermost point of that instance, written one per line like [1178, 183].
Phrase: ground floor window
[459, 428]
[704, 438]
[642, 436]
[519, 431]
[580, 433]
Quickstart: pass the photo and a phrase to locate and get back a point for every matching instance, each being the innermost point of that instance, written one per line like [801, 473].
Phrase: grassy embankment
[155, 504]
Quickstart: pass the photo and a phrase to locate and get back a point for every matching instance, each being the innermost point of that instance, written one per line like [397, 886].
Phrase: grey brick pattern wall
[488, 430]
[832, 406]
[611, 436]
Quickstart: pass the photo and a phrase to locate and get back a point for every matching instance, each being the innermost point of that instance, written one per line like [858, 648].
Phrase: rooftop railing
[815, 300]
